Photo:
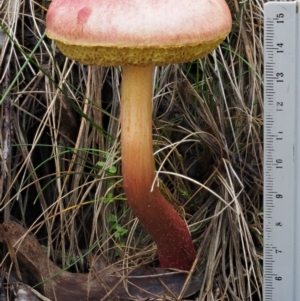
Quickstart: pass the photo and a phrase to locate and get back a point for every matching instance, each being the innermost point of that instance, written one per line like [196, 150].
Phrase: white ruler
[282, 152]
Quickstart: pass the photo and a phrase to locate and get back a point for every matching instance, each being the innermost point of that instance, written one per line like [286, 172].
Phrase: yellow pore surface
[142, 56]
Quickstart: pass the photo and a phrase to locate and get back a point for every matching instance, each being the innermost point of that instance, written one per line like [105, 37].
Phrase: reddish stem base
[170, 233]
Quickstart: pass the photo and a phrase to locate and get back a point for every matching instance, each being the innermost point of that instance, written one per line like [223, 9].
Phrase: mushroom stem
[170, 233]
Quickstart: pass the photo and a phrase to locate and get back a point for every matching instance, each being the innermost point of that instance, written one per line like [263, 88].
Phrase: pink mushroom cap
[137, 32]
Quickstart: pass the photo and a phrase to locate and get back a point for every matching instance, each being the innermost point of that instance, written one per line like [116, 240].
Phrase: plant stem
[170, 233]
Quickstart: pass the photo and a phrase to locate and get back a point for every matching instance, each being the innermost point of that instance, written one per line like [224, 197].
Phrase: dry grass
[60, 150]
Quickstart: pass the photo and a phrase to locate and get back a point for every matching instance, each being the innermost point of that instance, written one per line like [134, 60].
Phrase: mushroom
[140, 34]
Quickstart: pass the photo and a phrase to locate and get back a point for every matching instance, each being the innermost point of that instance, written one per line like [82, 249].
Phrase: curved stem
[170, 233]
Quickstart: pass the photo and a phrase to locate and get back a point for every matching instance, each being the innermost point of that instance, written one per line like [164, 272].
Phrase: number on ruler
[280, 16]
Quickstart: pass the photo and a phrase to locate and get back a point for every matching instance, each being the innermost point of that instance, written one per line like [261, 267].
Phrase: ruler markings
[281, 148]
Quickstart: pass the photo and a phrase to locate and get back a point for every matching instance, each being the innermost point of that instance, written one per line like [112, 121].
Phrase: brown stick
[61, 285]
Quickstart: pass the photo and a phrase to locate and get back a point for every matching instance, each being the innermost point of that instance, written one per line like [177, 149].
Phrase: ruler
[281, 151]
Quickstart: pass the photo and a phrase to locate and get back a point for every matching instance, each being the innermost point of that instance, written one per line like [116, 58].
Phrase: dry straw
[60, 151]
